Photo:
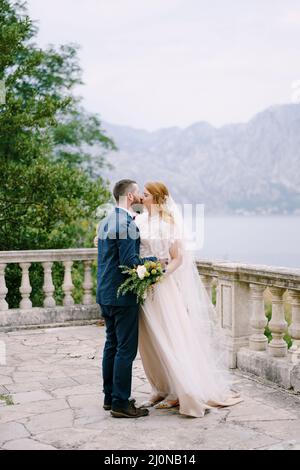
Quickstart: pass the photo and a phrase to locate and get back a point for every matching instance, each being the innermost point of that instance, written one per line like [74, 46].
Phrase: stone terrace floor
[53, 378]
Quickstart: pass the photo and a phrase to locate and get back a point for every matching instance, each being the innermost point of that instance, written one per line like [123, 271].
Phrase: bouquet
[140, 279]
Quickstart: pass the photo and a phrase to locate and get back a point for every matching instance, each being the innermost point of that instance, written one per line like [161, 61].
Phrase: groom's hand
[96, 241]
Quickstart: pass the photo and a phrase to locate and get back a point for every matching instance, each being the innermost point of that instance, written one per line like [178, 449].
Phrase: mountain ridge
[243, 168]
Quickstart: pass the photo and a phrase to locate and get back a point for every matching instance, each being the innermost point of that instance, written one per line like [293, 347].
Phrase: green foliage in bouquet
[140, 279]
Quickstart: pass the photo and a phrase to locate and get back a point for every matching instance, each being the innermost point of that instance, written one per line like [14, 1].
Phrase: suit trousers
[119, 352]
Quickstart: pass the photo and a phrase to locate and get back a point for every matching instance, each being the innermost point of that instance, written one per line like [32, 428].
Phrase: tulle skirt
[178, 359]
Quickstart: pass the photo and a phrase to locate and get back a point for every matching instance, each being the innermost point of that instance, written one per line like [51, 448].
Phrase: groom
[118, 244]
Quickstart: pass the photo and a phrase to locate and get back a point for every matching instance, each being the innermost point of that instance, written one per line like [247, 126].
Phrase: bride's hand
[163, 262]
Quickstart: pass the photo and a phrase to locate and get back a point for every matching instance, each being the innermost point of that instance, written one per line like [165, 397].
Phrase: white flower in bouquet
[141, 279]
[141, 271]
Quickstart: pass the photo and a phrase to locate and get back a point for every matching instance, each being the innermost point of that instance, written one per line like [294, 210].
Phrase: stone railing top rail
[36, 256]
[256, 273]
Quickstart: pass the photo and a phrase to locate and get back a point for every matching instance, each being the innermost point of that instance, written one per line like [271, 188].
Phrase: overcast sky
[161, 63]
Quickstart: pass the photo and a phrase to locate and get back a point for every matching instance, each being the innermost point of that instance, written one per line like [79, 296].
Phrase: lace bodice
[156, 236]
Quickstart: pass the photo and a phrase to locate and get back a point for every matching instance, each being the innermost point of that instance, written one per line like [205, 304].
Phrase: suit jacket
[118, 244]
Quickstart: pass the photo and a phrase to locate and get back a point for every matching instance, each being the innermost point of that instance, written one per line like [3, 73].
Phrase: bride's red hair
[160, 192]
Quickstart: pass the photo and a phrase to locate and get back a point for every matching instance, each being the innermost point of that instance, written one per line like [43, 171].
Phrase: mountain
[252, 167]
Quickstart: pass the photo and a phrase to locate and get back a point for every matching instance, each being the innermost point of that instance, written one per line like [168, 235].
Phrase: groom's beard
[137, 200]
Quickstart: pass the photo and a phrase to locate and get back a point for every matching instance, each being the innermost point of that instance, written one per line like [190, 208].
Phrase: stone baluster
[207, 282]
[25, 288]
[48, 286]
[278, 324]
[233, 312]
[87, 284]
[3, 288]
[68, 284]
[258, 341]
[294, 329]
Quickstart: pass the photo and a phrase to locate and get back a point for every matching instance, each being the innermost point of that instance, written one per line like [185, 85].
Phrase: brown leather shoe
[107, 406]
[129, 412]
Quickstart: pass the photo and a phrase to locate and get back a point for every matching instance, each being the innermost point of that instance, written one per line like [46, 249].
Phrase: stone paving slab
[53, 377]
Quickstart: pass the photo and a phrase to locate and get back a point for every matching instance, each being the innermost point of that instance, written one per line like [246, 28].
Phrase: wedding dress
[181, 343]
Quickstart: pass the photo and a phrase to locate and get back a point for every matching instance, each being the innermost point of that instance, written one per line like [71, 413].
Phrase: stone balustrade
[49, 313]
[240, 303]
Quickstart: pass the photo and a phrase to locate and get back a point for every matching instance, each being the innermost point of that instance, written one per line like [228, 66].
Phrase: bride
[180, 341]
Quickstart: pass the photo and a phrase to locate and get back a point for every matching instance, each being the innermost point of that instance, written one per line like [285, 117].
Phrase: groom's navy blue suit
[118, 244]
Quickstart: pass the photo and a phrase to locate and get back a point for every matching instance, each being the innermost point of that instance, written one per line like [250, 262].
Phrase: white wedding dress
[179, 340]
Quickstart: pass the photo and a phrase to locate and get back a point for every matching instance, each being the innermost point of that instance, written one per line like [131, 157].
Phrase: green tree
[79, 140]
[41, 117]
[48, 192]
